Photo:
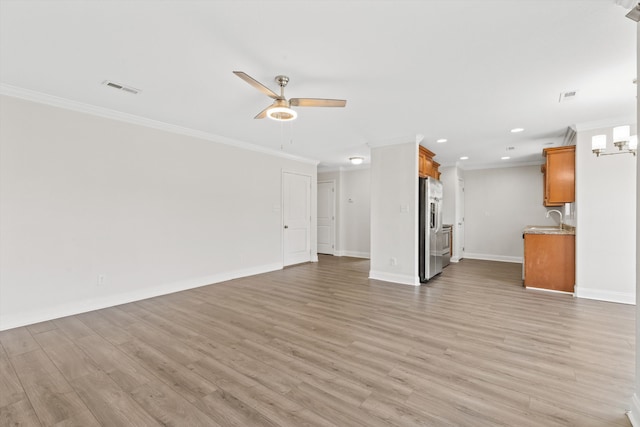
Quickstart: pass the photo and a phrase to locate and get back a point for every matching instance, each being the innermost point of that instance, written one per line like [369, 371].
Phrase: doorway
[458, 234]
[326, 217]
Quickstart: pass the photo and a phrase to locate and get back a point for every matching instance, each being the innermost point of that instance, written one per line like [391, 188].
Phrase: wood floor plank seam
[320, 344]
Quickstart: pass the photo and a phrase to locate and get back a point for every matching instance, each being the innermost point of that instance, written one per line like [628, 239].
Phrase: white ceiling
[468, 71]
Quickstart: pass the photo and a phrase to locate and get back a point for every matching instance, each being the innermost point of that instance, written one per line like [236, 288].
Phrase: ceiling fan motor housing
[282, 80]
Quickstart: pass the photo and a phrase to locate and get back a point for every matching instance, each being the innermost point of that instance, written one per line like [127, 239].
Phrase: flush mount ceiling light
[517, 130]
[441, 140]
[356, 160]
[622, 139]
[464, 158]
[505, 158]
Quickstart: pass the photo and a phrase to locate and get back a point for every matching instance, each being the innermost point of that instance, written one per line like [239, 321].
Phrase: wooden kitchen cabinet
[559, 180]
[426, 165]
[549, 261]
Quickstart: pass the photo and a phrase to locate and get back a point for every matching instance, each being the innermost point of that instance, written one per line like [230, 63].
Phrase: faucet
[556, 211]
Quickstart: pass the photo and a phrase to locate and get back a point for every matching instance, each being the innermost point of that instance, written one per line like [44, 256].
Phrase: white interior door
[326, 217]
[296, 215]
[458, 233]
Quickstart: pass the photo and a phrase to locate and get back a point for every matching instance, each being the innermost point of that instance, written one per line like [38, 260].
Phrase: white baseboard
[553, 291]
[634, 413]
[605, 295]
[403, 279]
[16, 320]
[489, 257]
[353, 254]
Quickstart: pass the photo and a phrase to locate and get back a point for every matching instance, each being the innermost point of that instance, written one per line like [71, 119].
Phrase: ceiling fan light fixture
[281, 114]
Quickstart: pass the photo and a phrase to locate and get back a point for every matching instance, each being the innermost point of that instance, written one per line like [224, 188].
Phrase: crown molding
[55, 101]
[405, 139]
[350, 168]
[605, 123]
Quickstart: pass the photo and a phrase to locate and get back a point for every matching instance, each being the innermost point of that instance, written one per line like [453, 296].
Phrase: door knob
[286, 226]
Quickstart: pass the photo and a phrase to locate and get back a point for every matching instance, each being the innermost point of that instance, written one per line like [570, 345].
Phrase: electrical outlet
[102, 279]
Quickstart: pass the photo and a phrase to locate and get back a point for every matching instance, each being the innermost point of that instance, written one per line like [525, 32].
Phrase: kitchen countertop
[547, 229]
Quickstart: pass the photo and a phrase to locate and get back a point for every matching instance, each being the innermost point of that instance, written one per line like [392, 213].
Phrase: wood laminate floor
[320, 344]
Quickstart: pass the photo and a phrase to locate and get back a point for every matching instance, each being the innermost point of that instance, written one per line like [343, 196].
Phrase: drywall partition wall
[453, 207]
[499, 203]
[606, 220]
[634, 413]
[394, 213]
[353, 210]
[356, 212]
[95, 212]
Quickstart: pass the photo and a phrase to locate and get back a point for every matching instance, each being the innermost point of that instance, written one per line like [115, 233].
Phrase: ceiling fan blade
[253, 82]
[262, 114]
[317, 102]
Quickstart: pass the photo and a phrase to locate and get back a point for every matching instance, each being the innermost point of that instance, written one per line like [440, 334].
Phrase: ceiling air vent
[568, 96]
[569, 136]
[123, 88]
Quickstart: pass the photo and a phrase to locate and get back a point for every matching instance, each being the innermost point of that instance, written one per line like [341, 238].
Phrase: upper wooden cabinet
[559, 173]
[426, 165]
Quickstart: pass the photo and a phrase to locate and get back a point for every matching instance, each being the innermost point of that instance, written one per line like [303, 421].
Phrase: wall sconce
[622, 139]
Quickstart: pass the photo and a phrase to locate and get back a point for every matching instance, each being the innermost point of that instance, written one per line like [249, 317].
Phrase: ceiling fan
[281, 107]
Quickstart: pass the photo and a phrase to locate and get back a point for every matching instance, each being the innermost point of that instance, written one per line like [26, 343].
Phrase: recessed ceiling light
[516, 130]
[441, 140]
[464, 158]
[505, 158]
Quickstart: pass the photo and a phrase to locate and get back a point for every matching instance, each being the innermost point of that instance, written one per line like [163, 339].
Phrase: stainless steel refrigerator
[430, 228]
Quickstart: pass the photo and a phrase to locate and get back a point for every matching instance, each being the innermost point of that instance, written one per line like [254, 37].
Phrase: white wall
[353, 210]
[453, 207]
[634, 413]
[449, 179]
[499, 203]
[356, 212]
[152, 211]
[394, 213]
[606, 221]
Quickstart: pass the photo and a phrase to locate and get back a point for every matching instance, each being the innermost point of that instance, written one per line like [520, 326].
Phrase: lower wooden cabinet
[549, 261]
